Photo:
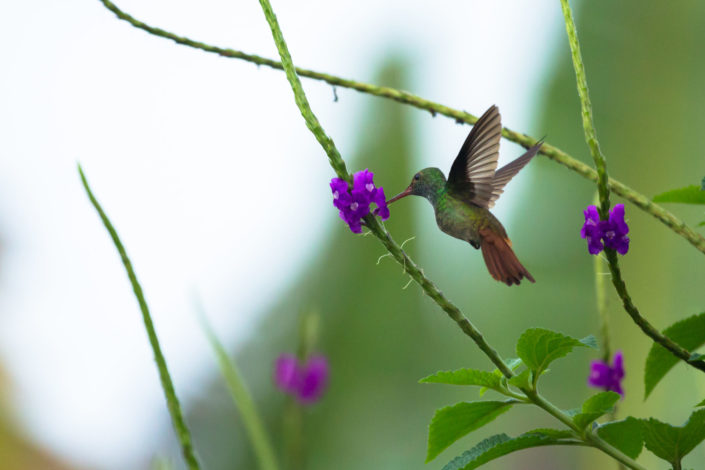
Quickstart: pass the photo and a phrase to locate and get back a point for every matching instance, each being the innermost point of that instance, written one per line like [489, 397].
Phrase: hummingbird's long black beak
[402, 194]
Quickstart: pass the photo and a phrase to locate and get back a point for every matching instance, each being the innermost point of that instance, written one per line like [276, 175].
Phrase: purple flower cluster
[306, 382]
[355, 204]
[611, 233]
[607, 377]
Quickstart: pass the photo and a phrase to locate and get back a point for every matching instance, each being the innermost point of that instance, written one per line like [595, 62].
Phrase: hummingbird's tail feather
[501, 261]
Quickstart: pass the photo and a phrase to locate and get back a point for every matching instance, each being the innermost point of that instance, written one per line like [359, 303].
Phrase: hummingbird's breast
[462, 220]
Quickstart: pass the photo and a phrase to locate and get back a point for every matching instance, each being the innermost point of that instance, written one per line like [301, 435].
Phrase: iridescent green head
[427, 183]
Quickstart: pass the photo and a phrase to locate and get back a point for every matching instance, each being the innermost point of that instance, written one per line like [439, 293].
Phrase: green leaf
[594, 407]
[513, 363]
[522, 380]
[702, 403]
[689, 333]
[501, 444]
[625, 435]
[701, 223]
[702, 184]
[453, 422]
[466, 377]
[688, 195]
[672, 443]
[538, 347]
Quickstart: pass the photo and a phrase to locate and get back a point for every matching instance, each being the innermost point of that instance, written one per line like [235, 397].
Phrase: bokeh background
[220, 193]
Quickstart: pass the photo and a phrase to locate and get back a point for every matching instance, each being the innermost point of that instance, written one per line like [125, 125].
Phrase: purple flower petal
[287, 375]
[314, 379]
[607, 377]
[381, 201]
[592, 230]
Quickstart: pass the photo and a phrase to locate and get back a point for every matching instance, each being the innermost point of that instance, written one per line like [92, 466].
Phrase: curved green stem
[588, 436]
[603, 190]
[553, 153]
[177, 419]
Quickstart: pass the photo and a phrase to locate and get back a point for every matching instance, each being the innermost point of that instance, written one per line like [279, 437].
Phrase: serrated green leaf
[688, 195]
[590, 341]
[453, 422]
[501, 444]
[594, 407]
[625, 435]
[522, 380]
[513, 363]
[538, 347]
[672, 443]
[689, 333]
[465, 377]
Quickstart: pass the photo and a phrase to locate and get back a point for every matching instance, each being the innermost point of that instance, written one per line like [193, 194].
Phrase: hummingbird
[462, 203]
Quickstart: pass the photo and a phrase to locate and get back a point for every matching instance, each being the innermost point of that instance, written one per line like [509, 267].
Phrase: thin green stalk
[601, 301]
[586, 108]
[242, 398]
[603, 190]
[177, 419]
[643, 323]
[553, 153]
[412, 269]
[587, 435]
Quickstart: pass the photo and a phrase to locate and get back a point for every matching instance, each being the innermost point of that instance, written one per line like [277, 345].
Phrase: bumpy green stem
[177, 418]
[553, 153]
[242, 398]
[415, 272]
[603, 190]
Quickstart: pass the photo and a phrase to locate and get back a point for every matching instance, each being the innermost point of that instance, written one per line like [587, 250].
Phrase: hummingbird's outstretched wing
[473, 171]
[508, 171]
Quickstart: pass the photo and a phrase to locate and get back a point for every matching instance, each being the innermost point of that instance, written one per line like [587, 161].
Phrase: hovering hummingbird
[462, 202]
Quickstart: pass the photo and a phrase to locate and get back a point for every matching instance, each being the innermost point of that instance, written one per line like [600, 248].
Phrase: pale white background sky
[206, 168]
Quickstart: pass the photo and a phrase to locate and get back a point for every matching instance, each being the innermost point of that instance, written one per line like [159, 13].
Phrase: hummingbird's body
[462, 202]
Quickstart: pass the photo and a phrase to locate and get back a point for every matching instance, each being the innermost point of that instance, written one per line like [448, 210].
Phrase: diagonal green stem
[411, 268]
[603, 190]
[553, 153]
[177, 419]
[242, 398]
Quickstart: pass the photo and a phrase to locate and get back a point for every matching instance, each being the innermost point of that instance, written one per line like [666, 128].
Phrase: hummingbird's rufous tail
[501, 261]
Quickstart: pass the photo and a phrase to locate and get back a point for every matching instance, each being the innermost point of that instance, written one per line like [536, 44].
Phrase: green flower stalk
[177, 417]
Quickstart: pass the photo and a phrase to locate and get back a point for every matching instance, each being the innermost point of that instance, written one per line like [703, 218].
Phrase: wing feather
[507, 172]
[473, 171]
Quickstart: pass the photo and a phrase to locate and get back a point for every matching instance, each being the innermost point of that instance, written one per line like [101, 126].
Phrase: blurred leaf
[672, 443]
[453, 422]
[522, 380]
[590, 341]
[501, 444]
[688, 195]
[625, 435]
[465, 377]
[538, 347]
[513, 363]
[701, 223]
[702, 184]
[594, 407]
[689, 333]
[702, 403]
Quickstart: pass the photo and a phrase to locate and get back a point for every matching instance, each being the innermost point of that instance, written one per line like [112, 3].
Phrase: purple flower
[286, 373]
[592, 230]
[306, 382]
[611, 233]
[354, 205]
[607, 377]
[314, 379]
[616, 230]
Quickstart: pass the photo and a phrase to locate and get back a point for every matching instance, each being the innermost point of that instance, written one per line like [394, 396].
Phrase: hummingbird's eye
[417, 176]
